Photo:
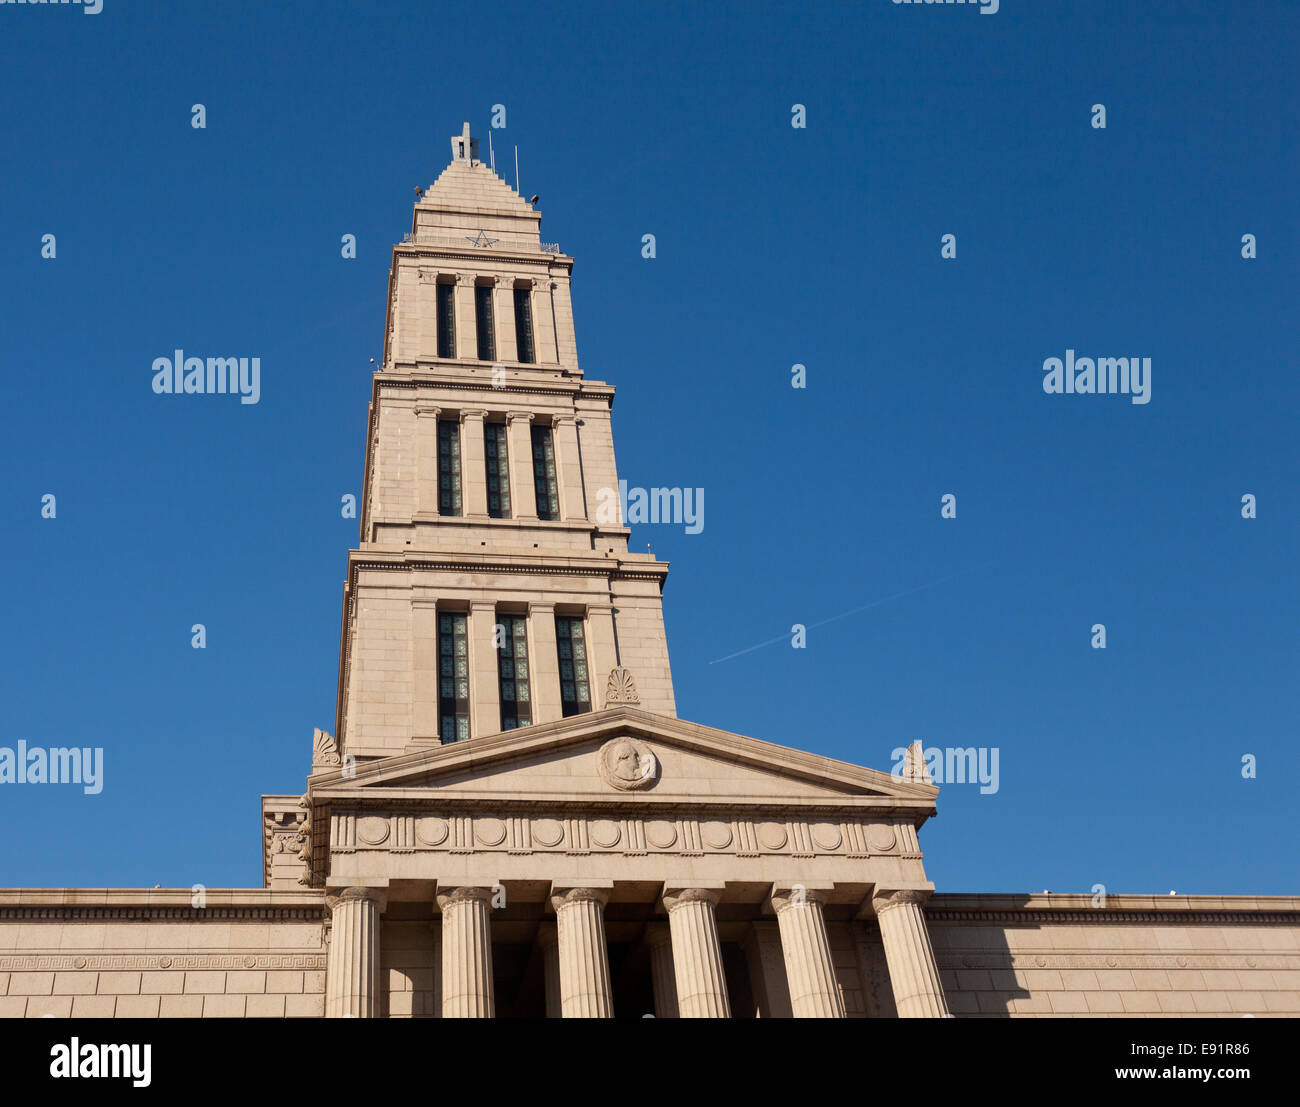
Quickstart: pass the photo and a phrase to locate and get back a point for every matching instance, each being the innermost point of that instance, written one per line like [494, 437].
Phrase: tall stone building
[511, 820]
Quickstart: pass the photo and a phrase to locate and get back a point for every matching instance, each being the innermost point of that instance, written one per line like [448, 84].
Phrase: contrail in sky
[846, 614]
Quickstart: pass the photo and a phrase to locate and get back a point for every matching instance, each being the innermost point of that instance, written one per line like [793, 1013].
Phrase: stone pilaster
[426, 459]
[545, 688]
[466, 331]
[467, 953]
[352, 966]
[568, 466]
[913, 974]
[543, 323]
[809, 967]
[585, 991]
[484, 670]
[697, 954]
[659, 939]
[503, 316]
[473, 464]
[523, 493]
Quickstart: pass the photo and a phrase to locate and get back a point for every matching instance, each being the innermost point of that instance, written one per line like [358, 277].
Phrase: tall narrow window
[448, 467]
[575, 696]
[487, 339]
[524, 324]
[453, 677]
[446, 319]
[498, 470]
[512, 657]
[548, 500]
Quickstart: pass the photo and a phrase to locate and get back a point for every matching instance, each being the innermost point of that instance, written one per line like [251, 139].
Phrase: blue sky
[775, 246]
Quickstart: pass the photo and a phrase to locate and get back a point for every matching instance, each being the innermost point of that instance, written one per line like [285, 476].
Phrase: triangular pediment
[625, 755]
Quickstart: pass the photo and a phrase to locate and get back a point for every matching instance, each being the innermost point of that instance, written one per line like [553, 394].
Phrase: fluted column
[585, 991]
[352, 967]
[659, 938]
[913, 974]
[809, 967]
[697, 954]
[467, 953]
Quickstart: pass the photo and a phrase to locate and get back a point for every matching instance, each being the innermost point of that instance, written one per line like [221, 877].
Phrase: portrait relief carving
[627, 765]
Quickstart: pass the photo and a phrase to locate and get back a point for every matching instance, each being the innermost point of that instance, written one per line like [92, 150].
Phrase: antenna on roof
[516, 168]
[492, 158]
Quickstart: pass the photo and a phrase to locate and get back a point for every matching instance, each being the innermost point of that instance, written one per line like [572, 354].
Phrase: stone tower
[485, 594]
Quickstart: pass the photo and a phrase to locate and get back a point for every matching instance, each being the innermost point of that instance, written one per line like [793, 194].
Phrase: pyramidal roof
[470, 186]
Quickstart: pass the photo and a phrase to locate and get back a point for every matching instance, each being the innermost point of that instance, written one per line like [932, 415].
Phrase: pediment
[623, 755]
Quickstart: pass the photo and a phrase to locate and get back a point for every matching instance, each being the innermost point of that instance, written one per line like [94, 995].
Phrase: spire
[464, 148]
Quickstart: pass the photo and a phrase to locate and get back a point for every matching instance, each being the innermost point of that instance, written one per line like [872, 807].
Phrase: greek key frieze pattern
[1128, 959]
[458, 832]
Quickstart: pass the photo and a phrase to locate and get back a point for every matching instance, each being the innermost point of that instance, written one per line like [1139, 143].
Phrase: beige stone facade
[509, 820]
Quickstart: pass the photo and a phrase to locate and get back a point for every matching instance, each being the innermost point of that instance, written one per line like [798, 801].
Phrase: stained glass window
[453, 677]
[524, 324]
[571, 645]
[498, 470]
[448, 467]
[446, 319]
[548, 500]
[512, 659]
[487, 339]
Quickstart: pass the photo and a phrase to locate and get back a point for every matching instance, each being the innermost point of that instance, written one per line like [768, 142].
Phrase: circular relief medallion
[627, 765]
[372, 830]
[716, 835]
[660, 834]
[882, 838]
[826, 836]
[605, 833]
[432, 832]
[164, 962]
[250, 961]
[490, 832]
[547, 832]
[80, 962]
[771, 835]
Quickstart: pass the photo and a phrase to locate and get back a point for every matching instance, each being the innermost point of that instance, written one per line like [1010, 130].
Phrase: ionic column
[473, 464]
[913, 974]
[548, 938]
[585, 991]
[466, 953]
[426, 459]
[809, 967]
[568, 467]
[659, 938]
[352, 966]
[697, 954]
[523, 493]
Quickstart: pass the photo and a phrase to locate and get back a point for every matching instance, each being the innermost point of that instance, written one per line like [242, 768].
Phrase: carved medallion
[548, 832]
[660, 833]
[430, 831]
[716, 835]
[372, 830]
[605, 833]
[490, 832]
[627, 765]
[620, 689]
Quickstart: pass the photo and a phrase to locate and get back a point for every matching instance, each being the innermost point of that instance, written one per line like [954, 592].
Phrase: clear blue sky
[819, 246]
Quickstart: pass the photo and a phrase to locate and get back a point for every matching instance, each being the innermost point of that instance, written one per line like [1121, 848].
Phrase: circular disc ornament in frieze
[881, 838]
[372, 830]
[826, 836]
[547, 832]
[716, 835]
[605, 833]
[490, 832]
[627, 765]
[771, 835]
[432, 832]
[660, 834]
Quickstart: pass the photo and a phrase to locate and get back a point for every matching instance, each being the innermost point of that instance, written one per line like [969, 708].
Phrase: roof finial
[464, 148]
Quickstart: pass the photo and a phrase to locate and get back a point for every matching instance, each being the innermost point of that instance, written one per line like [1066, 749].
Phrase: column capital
[514, 416]
[465, 893]
[427, 409]
[463, 279]
[473, 413]
[356, 894]
[564, 420]
[883, 899]
[675, 897]
[541, 607]
[786, 896]
[562, 896]
[483, 605]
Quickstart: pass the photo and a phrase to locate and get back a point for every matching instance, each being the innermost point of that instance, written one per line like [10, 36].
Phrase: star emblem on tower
[481, 239]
